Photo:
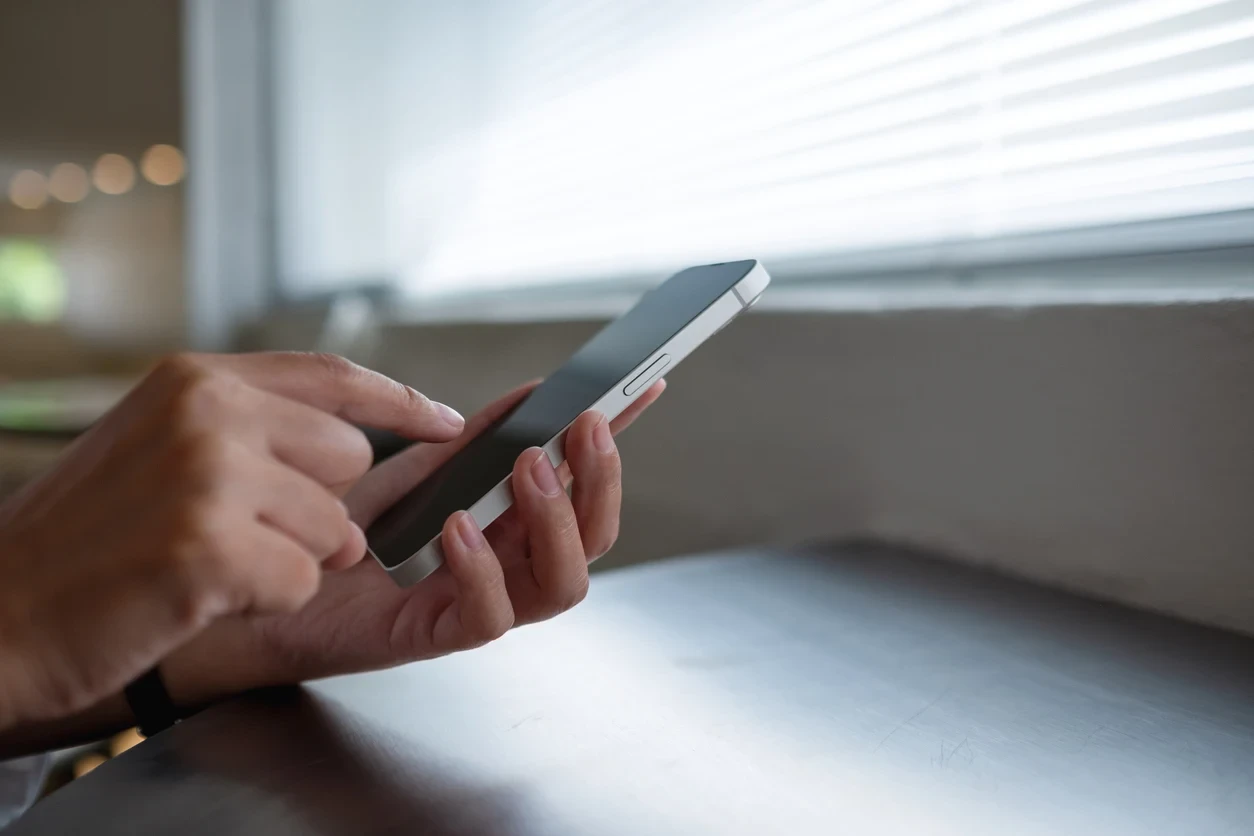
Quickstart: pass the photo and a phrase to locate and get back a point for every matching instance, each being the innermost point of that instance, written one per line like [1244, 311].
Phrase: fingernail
[602, 437]
[451, 416]
[469, 533]
[544, 474]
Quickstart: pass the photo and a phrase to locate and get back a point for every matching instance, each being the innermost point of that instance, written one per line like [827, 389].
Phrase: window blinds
[602, 138]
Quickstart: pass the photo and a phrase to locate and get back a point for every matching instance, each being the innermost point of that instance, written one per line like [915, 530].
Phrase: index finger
[393, 478]
[343, 388]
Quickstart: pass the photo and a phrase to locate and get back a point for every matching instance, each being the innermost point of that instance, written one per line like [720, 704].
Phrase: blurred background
[91, 229]
[480, 145]
[1013, 246]
[437, 150]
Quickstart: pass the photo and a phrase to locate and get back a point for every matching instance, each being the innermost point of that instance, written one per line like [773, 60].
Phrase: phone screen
[603, 361]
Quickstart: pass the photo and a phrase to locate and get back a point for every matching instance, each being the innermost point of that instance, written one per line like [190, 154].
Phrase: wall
[78, 80]
[1101, 448]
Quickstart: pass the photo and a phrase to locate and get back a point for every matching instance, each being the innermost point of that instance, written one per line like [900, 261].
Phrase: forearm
[191, 684]
[106, 718]
[223, 661]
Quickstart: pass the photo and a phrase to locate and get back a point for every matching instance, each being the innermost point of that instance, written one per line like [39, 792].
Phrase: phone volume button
[650, 374]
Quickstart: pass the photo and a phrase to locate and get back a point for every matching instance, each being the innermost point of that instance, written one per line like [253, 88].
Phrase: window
[499, 143]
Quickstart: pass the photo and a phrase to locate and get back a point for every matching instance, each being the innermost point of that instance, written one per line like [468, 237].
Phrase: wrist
[215, 665]
[109, 716]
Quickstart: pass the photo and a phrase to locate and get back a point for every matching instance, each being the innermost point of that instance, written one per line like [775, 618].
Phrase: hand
[211, 490]
[530, 565]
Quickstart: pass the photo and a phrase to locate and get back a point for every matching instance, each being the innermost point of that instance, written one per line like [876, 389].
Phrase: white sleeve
[20, 782]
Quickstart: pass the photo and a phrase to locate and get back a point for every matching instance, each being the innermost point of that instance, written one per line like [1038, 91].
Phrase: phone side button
[647, 376]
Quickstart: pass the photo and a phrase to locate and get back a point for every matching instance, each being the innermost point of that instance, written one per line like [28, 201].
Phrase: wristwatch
[151, 704]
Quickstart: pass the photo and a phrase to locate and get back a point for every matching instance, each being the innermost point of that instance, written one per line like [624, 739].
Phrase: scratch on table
[526, 719]
[1092, 734]
[946, 760]
[916, 715]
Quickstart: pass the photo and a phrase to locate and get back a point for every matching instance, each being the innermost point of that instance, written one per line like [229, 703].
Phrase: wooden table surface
[790, 692]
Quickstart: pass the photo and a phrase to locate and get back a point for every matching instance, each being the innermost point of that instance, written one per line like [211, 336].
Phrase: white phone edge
[622, 395]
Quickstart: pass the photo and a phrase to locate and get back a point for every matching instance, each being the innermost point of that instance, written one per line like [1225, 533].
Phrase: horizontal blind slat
[589, 135]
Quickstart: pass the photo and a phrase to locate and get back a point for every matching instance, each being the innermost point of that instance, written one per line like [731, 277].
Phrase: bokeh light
[32, 286]
[114, 174]
[163, 165]
[69, 183]
[28, 189]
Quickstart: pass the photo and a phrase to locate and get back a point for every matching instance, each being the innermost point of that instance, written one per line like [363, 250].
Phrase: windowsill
[939, 295]
[1152, 279]
[811, 298]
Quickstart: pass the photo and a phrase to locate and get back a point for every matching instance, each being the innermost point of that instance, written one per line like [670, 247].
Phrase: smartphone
[607, 374]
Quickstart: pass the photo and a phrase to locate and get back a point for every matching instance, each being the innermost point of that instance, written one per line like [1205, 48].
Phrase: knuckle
[492, 625]
[209, 396]
[174, 368]
[569, 595]
[200, 528]
[207, 461]
[300, 584]
[199, 568]
[333, 526]
[194, 605]
[601, 545]
[280, 581]
[205, 527]
[358, 454]
[502, 624]
[205, 397]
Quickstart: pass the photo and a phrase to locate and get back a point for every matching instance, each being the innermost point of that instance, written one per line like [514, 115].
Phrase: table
[807, 691]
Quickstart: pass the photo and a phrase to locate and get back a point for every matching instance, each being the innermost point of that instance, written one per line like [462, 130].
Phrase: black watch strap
[151, 704]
